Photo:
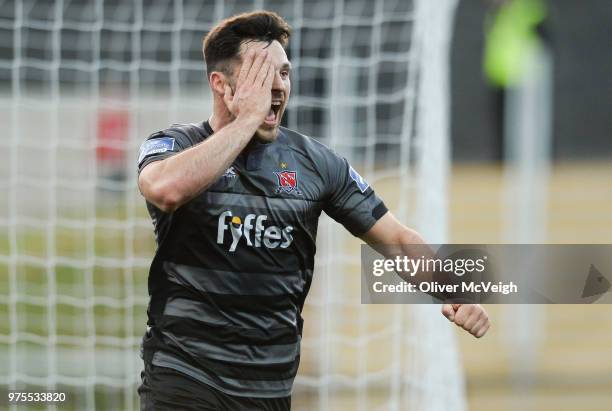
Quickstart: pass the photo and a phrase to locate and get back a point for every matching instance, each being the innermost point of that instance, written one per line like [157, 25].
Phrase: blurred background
[547, 179]
[476, 121]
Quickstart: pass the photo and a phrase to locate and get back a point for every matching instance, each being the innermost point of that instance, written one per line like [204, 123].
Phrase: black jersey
[234, 265]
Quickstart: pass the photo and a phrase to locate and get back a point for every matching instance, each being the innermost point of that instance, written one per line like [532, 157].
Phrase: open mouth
[272, 116]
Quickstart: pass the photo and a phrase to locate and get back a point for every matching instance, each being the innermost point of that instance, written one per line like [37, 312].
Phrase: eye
[284, 73]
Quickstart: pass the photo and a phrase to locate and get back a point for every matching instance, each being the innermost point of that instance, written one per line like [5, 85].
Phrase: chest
[268, 199]
[275, 173]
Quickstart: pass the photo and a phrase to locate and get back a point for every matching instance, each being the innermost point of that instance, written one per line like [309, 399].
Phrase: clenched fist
[471, 317]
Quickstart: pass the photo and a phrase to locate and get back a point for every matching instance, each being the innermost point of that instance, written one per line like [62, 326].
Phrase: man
[235, 201]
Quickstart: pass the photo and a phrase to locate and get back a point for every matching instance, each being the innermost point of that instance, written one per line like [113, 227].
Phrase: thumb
[228, 97]
[448, 311]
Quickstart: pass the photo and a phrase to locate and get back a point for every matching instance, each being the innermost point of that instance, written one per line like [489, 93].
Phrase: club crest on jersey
[287, 182]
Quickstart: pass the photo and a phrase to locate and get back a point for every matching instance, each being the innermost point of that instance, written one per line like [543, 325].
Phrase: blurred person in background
[516, 39]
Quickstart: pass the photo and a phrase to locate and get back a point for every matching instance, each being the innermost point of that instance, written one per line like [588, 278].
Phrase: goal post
[82, 83]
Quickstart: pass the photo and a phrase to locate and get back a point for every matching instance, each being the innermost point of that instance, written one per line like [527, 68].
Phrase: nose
[278, 84]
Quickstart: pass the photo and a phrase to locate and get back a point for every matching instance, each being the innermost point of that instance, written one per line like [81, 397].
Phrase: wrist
[247, 122]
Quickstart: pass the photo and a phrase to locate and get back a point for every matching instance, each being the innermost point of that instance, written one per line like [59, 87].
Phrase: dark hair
[222, 43]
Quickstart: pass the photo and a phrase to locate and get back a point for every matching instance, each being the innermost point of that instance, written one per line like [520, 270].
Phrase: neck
[220, 117]
[217, 123]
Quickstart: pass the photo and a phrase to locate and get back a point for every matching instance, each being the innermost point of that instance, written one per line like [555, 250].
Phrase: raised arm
[388, 231]
[171, 182]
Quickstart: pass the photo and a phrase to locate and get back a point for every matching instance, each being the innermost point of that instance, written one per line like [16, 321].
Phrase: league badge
[155, 146]
[361, 183]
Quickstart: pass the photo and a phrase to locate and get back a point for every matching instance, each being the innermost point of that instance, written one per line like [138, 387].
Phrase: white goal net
[83, 82]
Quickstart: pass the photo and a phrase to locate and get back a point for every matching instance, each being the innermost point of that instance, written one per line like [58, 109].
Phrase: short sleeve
[161, 145]
[351, 202]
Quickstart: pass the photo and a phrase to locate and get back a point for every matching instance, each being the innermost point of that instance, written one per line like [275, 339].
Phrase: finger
[228, 96]
[257, 63]
[247, 62]
[263, 72]
[474, 329]
[462, 314]
[456, 306]
[269, 78]
[483, 330]
[448, 312]
[472, 320]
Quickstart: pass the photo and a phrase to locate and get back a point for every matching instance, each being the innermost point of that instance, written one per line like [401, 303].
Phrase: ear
[218, 81]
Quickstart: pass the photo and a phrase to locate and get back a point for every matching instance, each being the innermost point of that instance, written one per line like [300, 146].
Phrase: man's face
[281, 85]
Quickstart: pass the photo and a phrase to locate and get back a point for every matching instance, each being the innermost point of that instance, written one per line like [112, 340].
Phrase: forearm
[393, 239]
[412, 245]
[172, 182]
[429, 262]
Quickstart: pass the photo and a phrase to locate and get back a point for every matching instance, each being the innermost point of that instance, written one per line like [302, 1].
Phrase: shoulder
[169, 141]
[185, 134]
[322, 160]
[308, 146]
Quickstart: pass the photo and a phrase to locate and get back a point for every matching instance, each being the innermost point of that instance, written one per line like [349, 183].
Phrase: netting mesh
[84, 82]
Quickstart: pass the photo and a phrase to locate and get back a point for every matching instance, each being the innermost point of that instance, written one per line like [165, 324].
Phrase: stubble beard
[266, 134]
